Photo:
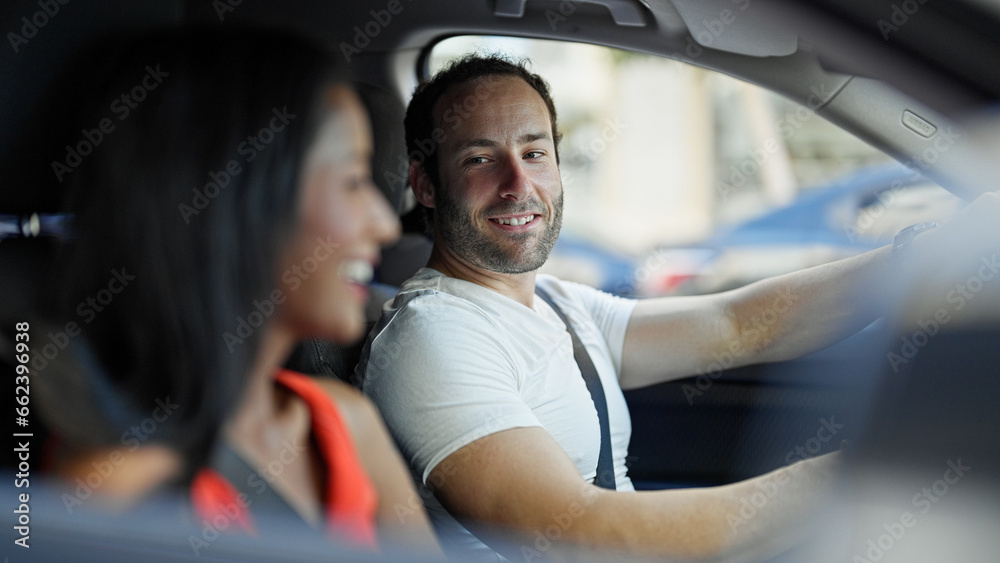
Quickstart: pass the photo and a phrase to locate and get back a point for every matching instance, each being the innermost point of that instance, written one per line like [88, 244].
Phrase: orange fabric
[350, 499]
[213, 496]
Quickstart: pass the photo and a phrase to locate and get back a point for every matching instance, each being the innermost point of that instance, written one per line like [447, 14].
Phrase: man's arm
[774, 319]
[521, 480]
[786, 316]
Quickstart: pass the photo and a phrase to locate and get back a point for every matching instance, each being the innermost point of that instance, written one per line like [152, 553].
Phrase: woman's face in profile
[344, 219]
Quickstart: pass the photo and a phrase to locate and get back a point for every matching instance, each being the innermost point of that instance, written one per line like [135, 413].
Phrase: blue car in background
[578, 259]
[848, 216]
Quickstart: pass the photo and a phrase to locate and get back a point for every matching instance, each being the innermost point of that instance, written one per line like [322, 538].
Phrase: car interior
[901, 76]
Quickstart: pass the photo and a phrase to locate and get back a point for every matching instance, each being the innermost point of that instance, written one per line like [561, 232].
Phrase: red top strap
[214, 497]
[350, 499]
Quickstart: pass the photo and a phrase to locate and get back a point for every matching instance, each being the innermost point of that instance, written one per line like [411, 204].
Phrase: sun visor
[736, 26]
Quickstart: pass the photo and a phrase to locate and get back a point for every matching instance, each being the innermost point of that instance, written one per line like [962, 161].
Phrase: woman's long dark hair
[181, 210]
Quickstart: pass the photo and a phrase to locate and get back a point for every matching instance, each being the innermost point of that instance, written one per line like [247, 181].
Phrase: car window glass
[676, 176]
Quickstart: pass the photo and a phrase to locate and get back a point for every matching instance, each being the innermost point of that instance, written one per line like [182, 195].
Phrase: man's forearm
[770, 510]
[757, 516]
[787, 316]
[774, 319]
[525, 498]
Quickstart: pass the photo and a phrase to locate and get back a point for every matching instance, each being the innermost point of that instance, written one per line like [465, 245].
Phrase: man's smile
[514, 220]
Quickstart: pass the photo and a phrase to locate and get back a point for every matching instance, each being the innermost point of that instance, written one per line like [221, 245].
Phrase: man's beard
[523, 252]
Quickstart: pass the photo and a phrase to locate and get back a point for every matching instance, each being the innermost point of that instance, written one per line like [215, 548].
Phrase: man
[476, 376]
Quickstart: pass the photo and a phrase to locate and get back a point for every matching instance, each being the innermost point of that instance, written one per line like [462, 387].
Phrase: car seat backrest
[318, 356]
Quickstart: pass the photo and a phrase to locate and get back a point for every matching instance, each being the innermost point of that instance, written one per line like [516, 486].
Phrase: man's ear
[422, 186]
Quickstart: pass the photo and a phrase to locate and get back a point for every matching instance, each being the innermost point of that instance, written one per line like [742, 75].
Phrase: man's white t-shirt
[451, 362]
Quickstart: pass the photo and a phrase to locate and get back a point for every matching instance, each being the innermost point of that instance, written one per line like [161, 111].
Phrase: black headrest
[389, 163]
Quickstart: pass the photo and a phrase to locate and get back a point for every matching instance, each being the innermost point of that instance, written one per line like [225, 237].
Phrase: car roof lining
[732, 26]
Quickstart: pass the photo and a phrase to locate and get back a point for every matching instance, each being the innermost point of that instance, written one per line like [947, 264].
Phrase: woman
[225, 212]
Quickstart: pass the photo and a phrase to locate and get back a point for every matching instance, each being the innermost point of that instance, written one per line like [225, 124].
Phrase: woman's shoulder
[355, 409]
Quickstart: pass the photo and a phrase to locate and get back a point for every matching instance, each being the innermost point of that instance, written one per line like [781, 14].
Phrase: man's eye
[534, 154]
[476, 160]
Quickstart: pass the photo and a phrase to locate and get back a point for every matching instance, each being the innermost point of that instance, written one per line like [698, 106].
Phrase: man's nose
[515, 183]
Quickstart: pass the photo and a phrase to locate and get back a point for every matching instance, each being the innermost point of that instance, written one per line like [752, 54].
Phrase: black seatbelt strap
[605, 464]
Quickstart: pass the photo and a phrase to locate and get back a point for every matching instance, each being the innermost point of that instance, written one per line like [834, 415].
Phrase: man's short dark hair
[421, 136]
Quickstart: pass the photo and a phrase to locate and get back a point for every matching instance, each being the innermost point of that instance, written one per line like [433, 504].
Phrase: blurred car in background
[848, 216]
[584, 261]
